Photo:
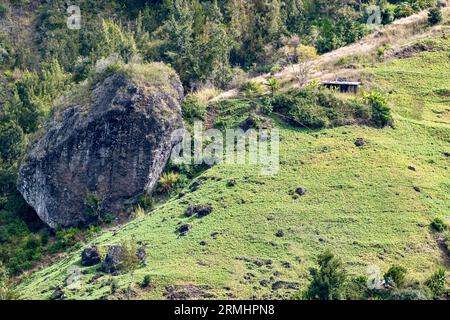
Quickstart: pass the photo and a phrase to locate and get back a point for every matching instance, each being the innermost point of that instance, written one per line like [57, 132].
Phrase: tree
[7, 291]
[434, 16]
[329, 280]
[395, 276]
[129, 260]
[274, 85]
[12, 141]
[436, 283]
[299, 57]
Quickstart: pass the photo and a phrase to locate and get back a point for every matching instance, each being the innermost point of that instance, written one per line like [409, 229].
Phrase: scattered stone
[58, 294]
[195, 185]
[181, 195]
[447, 154]
[360, 142]
[188, 292]
[295, 196]
[417, 189]
[113, 259]
[184, 229]
[280, 234]
[269, 218]
[285, 285]
[264, 283]
[203, 243]
[189, 211]
[300, 191]
[231, 183]
[215, 234]
[141, 253]
[90, 257]
[411, 168]
[200, 210]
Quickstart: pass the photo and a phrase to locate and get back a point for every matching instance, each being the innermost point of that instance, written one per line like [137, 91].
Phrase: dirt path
[400, 33]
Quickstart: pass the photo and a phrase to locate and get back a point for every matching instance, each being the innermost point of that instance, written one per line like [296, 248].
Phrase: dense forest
[209, 43]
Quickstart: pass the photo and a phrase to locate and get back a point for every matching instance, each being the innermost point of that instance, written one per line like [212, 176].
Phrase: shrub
[407, 294]
[381, 113]
[12, 141]
[395, 276]
[138, 212]
[168, 181]
[436, 283]
[328, 281]
[146, 281]
[274, 85]
[128, 258]
[404, 9]
[434, 16]
[438, 224]
[3, 10]
[252, 88]
[193, 109]
[300, 106]
[7, 291]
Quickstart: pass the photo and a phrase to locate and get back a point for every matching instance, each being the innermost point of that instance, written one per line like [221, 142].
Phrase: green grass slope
[360, 203]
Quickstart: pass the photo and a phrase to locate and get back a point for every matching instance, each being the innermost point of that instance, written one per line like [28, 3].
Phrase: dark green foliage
[146, 282]
[434, 16]
[252, 88]
[193, 109]
[313, 108]
[12, 141]
[436, 283]
[328, 282]
[395, 276]
[407, 294]
[438, 225]
[7, 291]
[381, 113]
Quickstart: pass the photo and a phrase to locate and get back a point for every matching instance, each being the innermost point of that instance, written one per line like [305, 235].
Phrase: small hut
[342, 85]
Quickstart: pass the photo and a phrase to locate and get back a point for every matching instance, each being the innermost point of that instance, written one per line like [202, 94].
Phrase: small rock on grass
[184, 229]
[58, 294]
[360, 142]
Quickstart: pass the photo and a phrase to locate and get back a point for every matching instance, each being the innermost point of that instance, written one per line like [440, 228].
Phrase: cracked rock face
[97, 159]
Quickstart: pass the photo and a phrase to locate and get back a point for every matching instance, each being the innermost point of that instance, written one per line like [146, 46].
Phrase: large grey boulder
[98, 156]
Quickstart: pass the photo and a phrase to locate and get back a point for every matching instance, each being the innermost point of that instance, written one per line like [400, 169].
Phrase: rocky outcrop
[96, 158]
[90, 257]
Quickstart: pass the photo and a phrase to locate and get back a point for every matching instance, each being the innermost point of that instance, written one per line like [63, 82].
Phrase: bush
[146, 281]
[395, 276]
[436, 283]
[193, 109]
[138, 212]
[168, 181]
[328, 282]
[381, 113]
[3, 10]
[403, 10]
[301, 107]
[438, 224]
[7, 291]
[12, 141]
[407, 294]
[252, 88]
[434, 16]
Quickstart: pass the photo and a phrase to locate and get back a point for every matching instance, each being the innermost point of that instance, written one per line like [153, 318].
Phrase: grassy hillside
[360, 203]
